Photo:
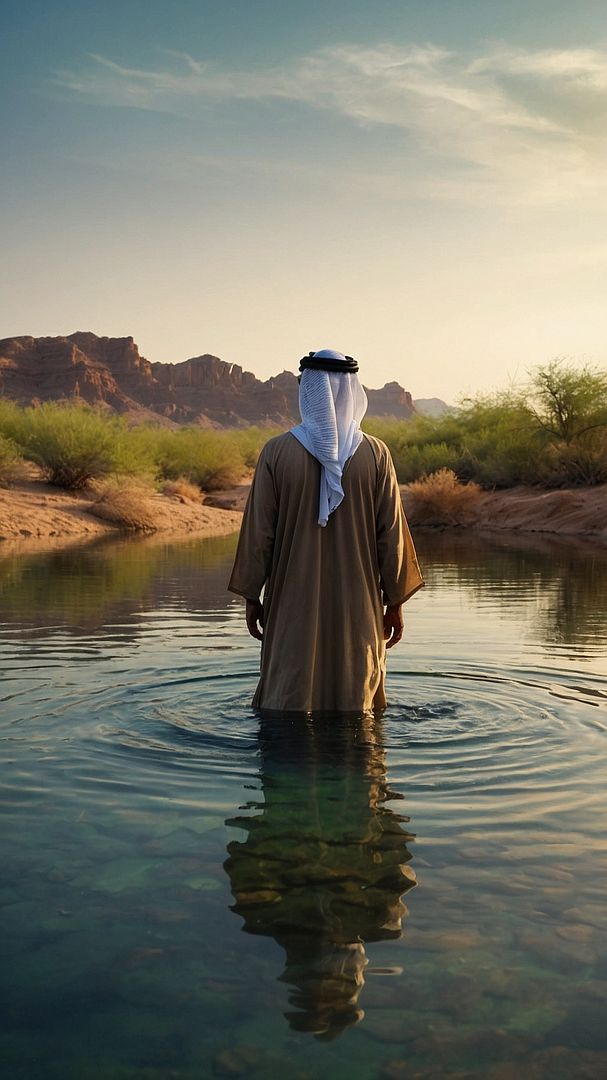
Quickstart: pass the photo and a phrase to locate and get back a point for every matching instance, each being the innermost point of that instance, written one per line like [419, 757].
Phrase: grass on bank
[126, 504]
[182, 489]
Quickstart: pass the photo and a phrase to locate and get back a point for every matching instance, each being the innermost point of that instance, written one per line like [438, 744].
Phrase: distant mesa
[110, 373]
[433, 406]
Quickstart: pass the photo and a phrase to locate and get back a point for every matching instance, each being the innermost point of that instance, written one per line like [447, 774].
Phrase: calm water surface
[190, 892]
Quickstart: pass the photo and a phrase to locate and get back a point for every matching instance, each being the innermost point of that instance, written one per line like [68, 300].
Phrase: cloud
[506, 126]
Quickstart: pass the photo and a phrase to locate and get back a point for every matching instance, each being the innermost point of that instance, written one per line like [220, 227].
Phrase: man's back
[323, 646]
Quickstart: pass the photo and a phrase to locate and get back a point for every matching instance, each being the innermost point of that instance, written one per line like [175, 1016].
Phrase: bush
[250, 442]
[12, 465]
[581, 462]
[493, 440]
[441, 499]
[11, 420]
[125, 503]
[182, 489]
[73, 444]
[211, 459]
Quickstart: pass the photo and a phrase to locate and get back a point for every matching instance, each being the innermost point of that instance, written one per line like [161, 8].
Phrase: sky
[421, 184]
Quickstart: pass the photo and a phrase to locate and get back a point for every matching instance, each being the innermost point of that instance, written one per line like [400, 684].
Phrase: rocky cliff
[110, 373]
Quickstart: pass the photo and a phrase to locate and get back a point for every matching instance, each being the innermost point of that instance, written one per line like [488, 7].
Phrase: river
[189, 891]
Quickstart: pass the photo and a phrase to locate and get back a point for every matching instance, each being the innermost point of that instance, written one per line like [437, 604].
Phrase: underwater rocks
[248, 1059]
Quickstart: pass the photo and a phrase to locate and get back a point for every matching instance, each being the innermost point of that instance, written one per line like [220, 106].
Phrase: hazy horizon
[419, 185]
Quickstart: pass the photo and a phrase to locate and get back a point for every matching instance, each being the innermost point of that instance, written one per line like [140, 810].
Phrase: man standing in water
[325, 533]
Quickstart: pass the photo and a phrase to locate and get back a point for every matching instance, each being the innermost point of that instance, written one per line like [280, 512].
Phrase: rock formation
[433, 406]
[110, 373]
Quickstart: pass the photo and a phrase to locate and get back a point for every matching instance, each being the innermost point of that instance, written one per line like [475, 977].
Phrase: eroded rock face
[111, 373]
[81, 367]
[391, 400]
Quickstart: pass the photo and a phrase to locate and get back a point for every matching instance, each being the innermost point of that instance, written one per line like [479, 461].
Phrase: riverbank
[570, 512]
[34, 512]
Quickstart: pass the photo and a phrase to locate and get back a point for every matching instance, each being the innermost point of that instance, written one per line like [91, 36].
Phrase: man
[325, 533]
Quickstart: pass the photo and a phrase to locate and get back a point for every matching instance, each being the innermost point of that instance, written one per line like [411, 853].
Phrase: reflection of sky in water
[149, 819]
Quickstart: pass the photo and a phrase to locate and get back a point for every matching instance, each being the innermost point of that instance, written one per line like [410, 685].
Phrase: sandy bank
[569, 512]
[35, 511]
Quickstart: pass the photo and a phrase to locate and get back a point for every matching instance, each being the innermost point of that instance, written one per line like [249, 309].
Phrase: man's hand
[254, 618]
[393, 624]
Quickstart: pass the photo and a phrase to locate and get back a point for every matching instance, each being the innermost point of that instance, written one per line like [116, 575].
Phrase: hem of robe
[378, 703]
[317, 714]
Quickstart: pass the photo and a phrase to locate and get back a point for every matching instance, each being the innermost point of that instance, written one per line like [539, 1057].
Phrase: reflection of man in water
[325, 533]
[323, 867]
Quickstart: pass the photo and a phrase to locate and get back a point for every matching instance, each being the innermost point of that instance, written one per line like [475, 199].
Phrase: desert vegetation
[550, 432]
[12, 464]
[442, 499]
[182, 489]
[74, 445]
[126, 504]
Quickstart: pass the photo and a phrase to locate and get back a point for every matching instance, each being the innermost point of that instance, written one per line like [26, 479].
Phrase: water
[189, 892]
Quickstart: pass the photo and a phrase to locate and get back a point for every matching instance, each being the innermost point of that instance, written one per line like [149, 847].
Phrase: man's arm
[253, 560]
[398, 566]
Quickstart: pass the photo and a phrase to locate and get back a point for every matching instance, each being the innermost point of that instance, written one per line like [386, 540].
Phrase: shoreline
[34, 514]
[569, 513]
[566, 512]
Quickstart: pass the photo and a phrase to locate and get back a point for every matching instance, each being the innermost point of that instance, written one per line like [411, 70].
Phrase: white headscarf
[332, 405]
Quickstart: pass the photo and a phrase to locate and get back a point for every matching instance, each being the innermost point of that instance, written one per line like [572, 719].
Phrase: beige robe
[323, 648]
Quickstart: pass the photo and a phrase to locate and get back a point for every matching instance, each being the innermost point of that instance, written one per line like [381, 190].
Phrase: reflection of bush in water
[567, 581]
[323, 867]
[71, 584]
[88, 582]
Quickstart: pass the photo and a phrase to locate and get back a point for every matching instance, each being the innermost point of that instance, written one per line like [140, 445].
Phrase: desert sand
[567, 512]
[34, 511]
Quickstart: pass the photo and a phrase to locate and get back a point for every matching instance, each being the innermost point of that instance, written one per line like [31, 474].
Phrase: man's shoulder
[277, 445]
[378, 447]
[277, 442]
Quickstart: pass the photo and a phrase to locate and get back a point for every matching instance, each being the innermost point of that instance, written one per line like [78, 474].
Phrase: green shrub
[211, 458]
[11, 420]
[502, 440]
[250, 442]
[74, 444]
[580, 462]
[12, 465]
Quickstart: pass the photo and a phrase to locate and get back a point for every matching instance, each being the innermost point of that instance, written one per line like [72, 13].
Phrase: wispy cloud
[507, 125]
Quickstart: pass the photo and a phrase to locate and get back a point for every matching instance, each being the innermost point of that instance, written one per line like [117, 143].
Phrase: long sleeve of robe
[323, 648]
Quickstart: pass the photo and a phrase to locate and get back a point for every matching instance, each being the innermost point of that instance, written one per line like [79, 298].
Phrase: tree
[569, 402]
